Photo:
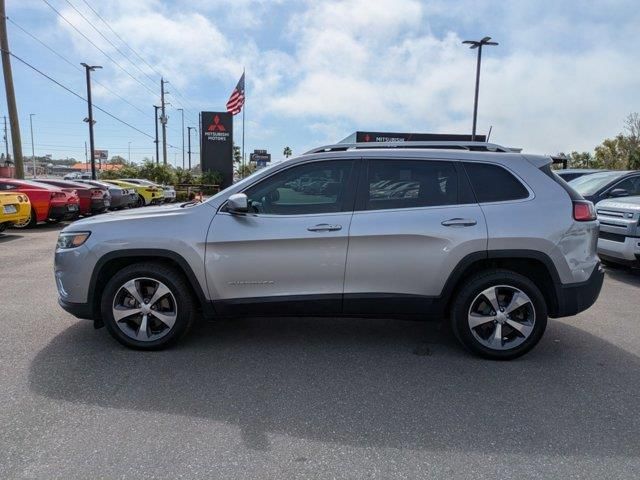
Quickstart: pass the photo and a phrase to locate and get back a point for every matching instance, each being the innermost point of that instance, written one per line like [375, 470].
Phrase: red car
[48, 203]
[93, 199]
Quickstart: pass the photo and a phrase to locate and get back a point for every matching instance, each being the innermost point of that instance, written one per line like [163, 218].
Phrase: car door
[288, 254]
[404, 242]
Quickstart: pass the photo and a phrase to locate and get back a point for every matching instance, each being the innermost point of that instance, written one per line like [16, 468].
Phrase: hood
[622, 203]
[137, 214]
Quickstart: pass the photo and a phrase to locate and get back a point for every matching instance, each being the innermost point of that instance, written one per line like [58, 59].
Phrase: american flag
[236, 100]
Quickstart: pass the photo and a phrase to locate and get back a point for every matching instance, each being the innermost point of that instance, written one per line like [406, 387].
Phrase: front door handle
[325, 227]
[459, 222]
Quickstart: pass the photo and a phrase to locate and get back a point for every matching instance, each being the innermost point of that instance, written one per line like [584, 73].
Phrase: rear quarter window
[492, 183]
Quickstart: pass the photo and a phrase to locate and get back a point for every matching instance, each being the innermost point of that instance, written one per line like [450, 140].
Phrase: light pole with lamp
[477, 44]
[89, 119]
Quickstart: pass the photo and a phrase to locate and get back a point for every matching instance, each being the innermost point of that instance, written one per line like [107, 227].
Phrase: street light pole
[92, 147]
[182, 111]
[33, 151]
[477, 44]
[189, 135]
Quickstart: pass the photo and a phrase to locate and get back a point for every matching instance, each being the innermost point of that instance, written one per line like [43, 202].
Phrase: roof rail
[468, 146]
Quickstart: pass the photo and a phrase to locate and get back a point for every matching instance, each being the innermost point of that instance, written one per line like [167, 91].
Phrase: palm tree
[287, 152]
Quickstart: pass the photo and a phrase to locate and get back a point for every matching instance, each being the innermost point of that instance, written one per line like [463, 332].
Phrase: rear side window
[410, 183]
[492, 183]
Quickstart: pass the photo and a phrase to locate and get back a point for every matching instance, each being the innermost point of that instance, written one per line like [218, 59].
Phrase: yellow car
[147, 195]
[15, 208]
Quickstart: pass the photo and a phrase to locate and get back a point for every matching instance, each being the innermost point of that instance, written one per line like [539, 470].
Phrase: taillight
[96, 192]
[583, 211]
[58, 195]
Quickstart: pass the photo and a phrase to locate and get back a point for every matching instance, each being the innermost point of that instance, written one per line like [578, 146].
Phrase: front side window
[319, 187]
[410, 184]
[631, 185]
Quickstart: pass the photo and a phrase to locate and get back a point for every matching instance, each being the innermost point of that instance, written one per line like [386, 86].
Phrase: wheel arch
[535, 265]
[111, 262]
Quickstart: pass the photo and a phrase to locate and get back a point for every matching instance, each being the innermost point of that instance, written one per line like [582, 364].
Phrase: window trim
[351, 186]
[363, 187]
[531, 195]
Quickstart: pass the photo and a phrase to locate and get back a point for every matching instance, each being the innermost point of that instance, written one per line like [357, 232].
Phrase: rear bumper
[65, 212]
[577, 297]
[100, 205]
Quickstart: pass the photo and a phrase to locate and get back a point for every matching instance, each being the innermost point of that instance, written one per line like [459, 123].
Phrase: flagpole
[244, 107]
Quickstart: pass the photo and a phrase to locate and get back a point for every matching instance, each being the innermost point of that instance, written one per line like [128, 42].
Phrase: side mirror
[238, 203]
[618, 192]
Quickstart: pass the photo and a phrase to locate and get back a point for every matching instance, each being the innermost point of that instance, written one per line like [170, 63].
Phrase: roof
[104, 167]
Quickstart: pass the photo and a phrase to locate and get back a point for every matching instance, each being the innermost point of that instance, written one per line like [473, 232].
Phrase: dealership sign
[101, 155]
[410, 137]
[216, 145]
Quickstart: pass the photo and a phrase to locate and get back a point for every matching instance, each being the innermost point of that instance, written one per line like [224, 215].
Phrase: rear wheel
[147, 306]
[31, 222]
[499, 315]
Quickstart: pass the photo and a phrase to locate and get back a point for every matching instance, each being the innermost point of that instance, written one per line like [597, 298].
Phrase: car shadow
[7, 237]
[368, 383]
[627, 275]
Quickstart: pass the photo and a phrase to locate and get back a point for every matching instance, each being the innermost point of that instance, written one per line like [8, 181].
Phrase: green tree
[287, 152]
[117, 160]
[581, 160]
[237, 154]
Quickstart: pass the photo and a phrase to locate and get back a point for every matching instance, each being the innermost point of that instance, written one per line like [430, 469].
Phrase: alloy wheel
[501, 317]
[145, 309]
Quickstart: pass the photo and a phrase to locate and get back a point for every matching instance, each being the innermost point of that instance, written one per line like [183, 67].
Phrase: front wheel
[499, 315]
[140, 202]
[147, 306]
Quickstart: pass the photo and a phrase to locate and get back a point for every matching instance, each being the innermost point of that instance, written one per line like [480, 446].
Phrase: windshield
[590, 184]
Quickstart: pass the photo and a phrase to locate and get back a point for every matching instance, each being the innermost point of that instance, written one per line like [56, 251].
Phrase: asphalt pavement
[310, 398]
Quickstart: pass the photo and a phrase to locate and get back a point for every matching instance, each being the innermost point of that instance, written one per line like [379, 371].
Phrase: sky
[563, 77]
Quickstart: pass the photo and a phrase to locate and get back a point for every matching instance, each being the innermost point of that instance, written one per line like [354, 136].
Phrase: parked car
[496, 261]
[619, 238]
[93, 199]
[77, 176]
[15, 208]
[146, 195]
[120, 197]
[569, 174]
[48, 203]
[168, 192]
[614, 184]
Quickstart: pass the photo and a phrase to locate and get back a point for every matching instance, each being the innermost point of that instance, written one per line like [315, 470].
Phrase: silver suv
[490, 239]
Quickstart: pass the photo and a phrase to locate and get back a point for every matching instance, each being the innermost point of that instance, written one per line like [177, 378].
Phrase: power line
[78, 95]
[184, 99]
[110, 42]
[97, 47]
[77, 67]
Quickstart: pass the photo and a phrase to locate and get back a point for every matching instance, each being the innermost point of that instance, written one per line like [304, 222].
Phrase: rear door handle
[324, 227]
[459, 222]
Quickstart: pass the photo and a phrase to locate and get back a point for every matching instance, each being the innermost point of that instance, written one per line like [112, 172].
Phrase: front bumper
[78, 310]
[625, 251]
[574, 298]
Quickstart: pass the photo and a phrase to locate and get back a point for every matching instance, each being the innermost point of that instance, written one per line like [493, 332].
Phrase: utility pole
[477, 44]
[163, 121]
[189, 135]
[182, 111]
[6, 139]
[156, 107]
[129, 157]
[86, 158]
[33, 151]
[89, 119]
[11, 94]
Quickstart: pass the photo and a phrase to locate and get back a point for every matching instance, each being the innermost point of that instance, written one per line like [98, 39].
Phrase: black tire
[140, 202]
[469, 293]
[33, 221]
[179, 288]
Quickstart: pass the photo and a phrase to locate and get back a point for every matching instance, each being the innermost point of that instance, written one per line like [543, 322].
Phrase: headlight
[72, 239]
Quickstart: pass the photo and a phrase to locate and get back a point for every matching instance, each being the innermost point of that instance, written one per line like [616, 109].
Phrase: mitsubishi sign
[216, 145]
